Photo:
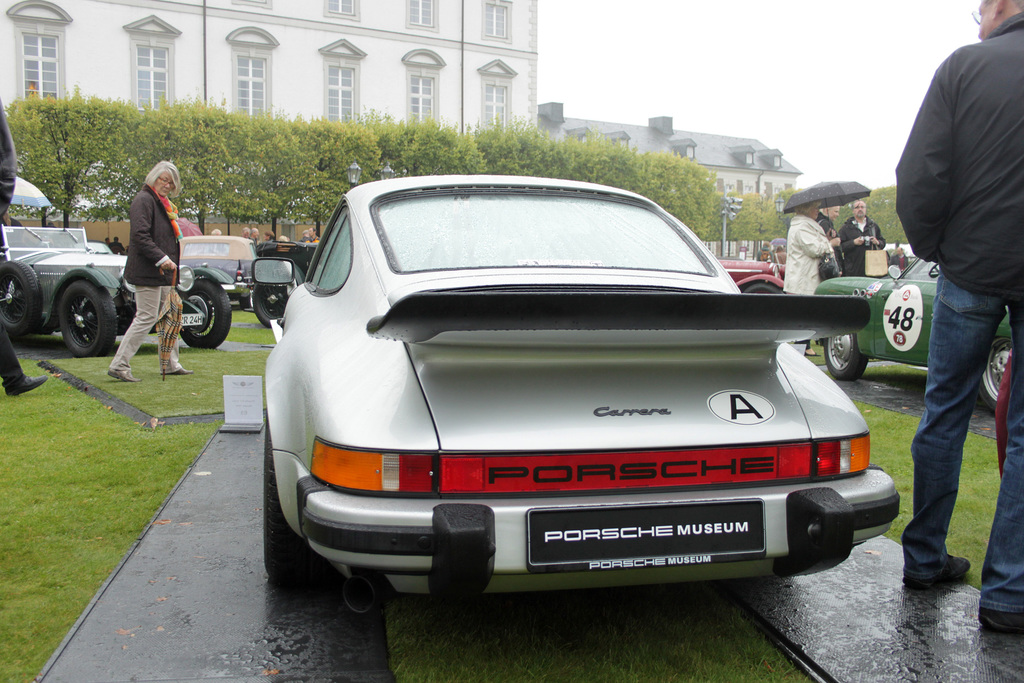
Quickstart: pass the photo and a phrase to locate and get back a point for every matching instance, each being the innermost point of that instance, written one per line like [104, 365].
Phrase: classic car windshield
[523, 229]
[44, 238]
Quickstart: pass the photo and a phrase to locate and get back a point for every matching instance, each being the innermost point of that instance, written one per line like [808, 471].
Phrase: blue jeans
[963, 327]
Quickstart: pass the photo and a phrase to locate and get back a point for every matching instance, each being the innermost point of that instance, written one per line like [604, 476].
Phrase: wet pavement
[857, 622]
[190, 601]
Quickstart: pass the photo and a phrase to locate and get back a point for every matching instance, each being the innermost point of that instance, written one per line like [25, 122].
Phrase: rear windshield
[222, 250]
[515, 229]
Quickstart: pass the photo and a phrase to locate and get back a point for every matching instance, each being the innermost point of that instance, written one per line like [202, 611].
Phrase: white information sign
[903, 317]
[243, 402]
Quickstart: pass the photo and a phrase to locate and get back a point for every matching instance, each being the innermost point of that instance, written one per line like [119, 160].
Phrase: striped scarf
[172, 213]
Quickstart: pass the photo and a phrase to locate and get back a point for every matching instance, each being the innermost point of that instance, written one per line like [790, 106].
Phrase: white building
[464, 62]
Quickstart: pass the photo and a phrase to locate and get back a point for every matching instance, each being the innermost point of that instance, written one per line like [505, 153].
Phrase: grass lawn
[80, 483]
[69, 462]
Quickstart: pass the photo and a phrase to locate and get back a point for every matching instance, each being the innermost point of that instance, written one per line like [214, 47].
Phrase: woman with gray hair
[152, 261]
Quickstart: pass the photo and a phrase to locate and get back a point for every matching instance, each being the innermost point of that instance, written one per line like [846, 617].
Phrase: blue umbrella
[27, 194]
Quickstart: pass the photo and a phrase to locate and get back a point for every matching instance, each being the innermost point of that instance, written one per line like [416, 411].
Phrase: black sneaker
[27, 384]
[1004, 622]
[955, 569]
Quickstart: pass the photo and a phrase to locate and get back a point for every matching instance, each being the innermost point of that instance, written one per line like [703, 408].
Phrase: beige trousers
[147, 310]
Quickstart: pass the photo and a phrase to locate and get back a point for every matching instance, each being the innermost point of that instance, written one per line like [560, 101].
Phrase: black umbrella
[829, 194]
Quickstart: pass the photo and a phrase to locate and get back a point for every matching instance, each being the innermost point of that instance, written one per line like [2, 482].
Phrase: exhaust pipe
[359, 594]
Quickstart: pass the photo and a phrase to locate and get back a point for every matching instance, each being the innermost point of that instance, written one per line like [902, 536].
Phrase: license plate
[192, 320]
[634, 536]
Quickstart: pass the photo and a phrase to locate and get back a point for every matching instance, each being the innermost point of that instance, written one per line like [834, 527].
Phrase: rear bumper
[461, 546]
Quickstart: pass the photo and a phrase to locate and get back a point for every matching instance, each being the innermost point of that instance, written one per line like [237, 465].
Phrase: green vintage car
[900, 326]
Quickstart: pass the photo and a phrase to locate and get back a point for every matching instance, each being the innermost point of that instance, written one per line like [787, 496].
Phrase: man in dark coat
[15, 380]
[961, 201]
[858, 234]
[152, 261]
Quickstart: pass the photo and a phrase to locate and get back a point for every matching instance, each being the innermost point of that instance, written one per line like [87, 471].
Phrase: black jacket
[853, 254]
[960, 182]
[8, 162]
[152, 238]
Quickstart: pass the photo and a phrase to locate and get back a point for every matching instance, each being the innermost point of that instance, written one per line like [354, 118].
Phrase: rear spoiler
[422, 316]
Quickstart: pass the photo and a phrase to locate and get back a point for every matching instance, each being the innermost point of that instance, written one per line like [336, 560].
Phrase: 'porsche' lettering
[595, 473]
[607, 411]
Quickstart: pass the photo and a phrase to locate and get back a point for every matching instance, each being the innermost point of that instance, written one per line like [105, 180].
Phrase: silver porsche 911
[489, 384]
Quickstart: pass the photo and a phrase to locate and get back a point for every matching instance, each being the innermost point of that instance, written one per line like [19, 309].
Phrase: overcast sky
[834, 85]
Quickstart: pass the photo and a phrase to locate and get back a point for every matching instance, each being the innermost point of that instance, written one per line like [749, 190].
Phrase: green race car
[900, 326]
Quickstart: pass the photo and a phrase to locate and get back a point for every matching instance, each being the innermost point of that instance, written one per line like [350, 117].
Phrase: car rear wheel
[762, 288]
[843, 357]
[287, 557]
[210, 298]
[268, 302]
[997, 356]
[21, 300]
[88, 320]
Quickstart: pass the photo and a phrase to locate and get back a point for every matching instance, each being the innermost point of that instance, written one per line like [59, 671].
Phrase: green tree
[415, 148]
[328, 147]
[517, 149]
[264, 169]
[758, 220]
[67, 147]
[682, 187]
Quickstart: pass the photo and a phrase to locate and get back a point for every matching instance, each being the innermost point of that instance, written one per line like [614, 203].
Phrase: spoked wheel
[268, 302]
[88, 320]
[21, 300]
[997, 356]
[843, 357]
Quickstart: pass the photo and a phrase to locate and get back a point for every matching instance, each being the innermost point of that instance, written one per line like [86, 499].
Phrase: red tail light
[578, 472]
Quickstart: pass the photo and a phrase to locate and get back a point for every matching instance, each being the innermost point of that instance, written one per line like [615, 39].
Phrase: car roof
[368, 192]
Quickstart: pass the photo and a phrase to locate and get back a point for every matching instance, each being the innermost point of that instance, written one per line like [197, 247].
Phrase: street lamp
[353, 173]
[386, 173]
[780, 204]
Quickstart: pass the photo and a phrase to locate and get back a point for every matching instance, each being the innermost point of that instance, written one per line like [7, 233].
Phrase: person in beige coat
[805, 244]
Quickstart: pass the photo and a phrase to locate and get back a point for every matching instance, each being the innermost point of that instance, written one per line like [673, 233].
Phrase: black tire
[268, 302]
[21, 299]
[762, 288]
[288, 559]
[210, 297]
[990, 380]
[843, 357]
[88, 320]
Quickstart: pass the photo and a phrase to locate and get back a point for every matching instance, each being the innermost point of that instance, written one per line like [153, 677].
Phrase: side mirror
[273, 271]
[894, 272]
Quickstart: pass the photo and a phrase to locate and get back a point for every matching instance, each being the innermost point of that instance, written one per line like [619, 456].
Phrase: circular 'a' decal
[741, 407]
[903, 317]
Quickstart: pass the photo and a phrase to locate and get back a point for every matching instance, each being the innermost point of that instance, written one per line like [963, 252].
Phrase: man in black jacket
[858, 234]
[961, 201]
[14, 379]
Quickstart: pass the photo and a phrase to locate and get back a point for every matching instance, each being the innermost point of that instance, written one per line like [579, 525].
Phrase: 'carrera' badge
[741, 407]
[607, 411]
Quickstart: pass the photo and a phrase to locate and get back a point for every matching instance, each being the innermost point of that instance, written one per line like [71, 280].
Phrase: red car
[756, 277]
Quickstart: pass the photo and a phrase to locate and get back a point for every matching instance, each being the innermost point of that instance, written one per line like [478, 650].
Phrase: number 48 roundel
[903, 317]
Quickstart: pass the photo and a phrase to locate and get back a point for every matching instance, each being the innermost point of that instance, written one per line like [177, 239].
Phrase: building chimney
[552, 111]
[662, 124]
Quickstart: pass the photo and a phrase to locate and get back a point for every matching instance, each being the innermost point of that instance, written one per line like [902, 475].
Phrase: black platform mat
[857, 622]
[190, 601]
